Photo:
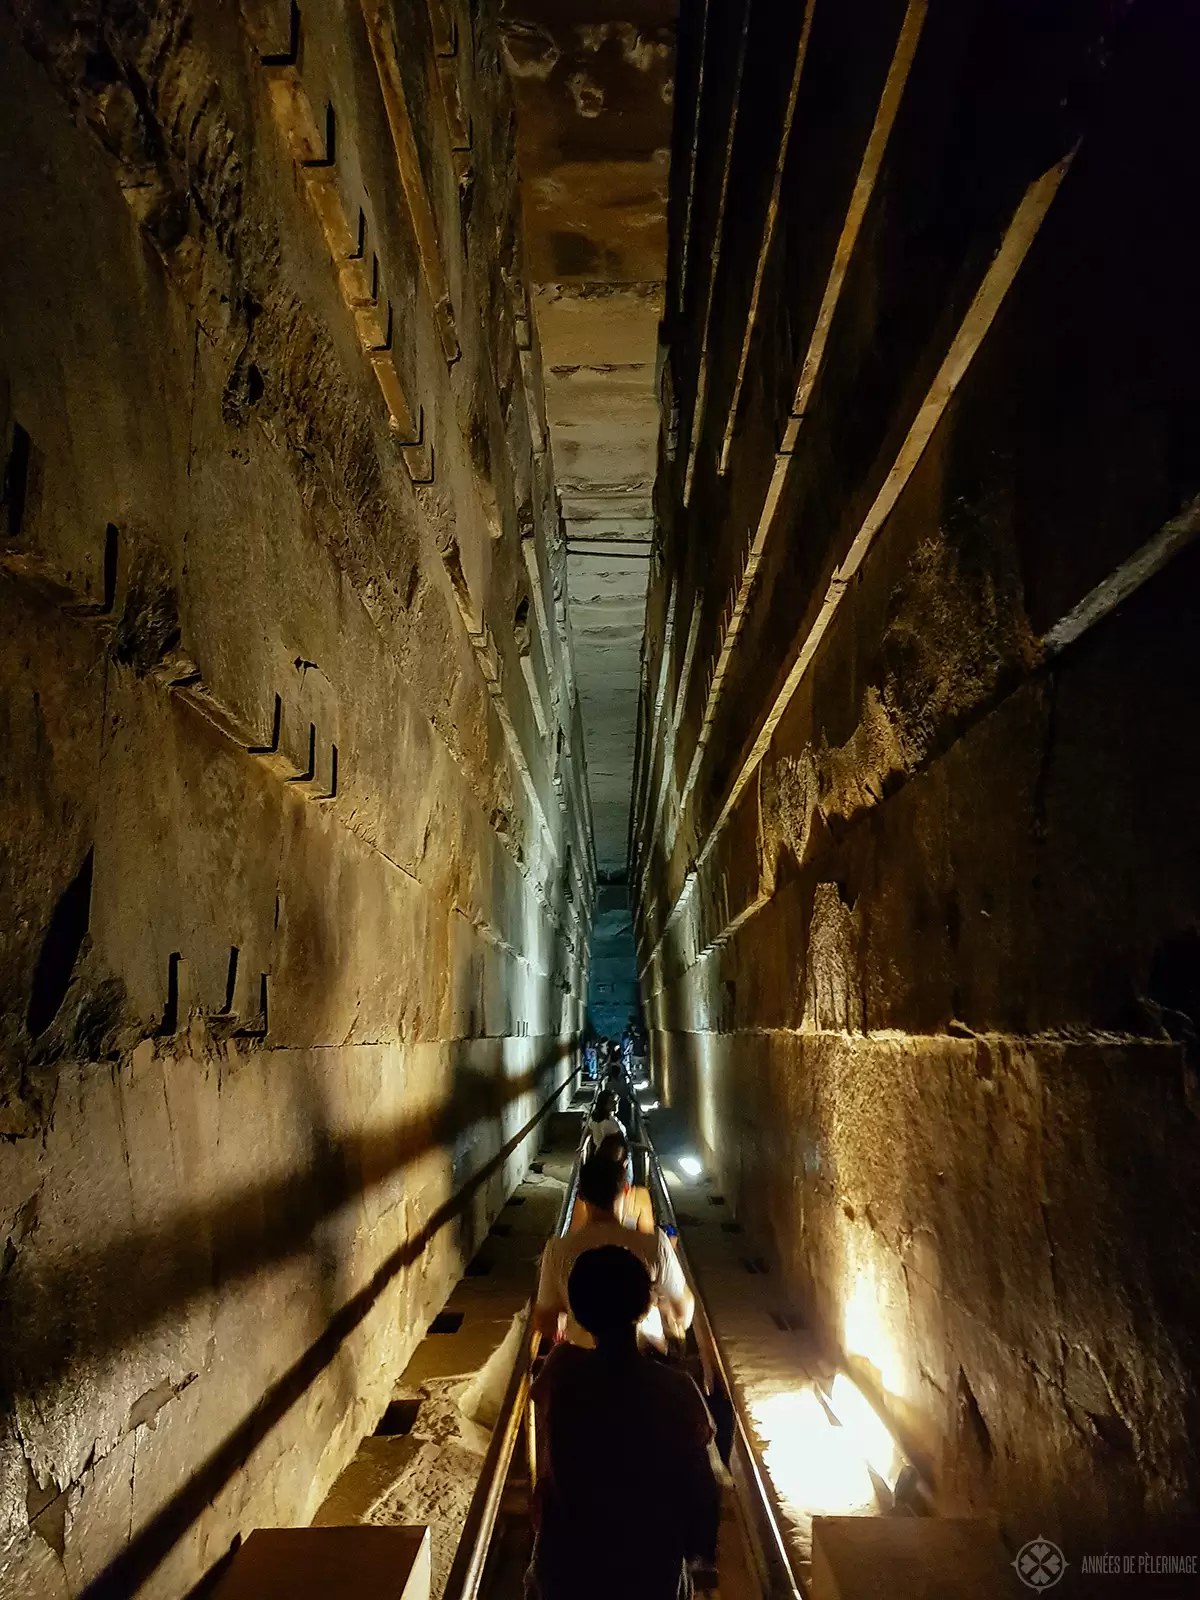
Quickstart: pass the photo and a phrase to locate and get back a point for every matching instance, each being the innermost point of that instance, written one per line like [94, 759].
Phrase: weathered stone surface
[917, 910]
[297, 865]
[294, 883]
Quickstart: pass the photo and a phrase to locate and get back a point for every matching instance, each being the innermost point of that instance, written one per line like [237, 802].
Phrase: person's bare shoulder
[552, 1254]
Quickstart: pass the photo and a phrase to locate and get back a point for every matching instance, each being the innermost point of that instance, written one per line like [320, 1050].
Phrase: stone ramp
[423, 1463]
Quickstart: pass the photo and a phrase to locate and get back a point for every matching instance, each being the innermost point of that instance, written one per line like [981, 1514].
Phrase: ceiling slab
[593, 85]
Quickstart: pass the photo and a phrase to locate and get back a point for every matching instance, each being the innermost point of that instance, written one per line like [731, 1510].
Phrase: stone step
[359, 1563]
[919, 1558]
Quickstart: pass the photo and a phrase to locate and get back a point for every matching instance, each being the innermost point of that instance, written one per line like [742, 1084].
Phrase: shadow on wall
[73, 1307]
[133, 1285]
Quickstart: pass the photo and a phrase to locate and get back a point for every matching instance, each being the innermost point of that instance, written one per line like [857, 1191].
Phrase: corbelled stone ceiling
[594, 88]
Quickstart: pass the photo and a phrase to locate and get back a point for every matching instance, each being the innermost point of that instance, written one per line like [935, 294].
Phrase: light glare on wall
[689, 1166]
[863, 1424]
[709, 1122]
[865, 1332]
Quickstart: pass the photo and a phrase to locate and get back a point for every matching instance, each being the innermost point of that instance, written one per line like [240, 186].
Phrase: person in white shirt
[604, 1120]
[634, 1208]
[600, 1185]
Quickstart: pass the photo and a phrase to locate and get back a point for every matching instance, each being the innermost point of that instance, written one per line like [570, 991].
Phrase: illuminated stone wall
[916, 872]
[294, 875]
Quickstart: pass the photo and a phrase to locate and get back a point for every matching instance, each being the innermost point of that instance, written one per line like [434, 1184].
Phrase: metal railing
[759, 1511]
[470, 1559]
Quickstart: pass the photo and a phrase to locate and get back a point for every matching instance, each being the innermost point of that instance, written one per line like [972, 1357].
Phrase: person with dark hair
[604, 1121]
[634, 1208]
[657, 1471]
[601, 1184]
[615, 1147]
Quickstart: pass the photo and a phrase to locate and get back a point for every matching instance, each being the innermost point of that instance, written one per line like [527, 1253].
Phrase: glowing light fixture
[690, 1166]
[649, 1105]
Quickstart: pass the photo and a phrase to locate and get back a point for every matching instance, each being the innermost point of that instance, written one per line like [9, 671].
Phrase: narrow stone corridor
[532, 523]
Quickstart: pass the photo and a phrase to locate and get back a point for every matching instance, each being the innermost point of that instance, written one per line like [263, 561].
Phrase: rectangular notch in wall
[329, 157]
[288, 56]
[227, 1010]
[276, 729]
[111, 543]
[176, 1005]
[108, 579]
[258, 1028]
[446, 1322]
[399, 1419]
[310, 771]
[16, 481]
[315, 151]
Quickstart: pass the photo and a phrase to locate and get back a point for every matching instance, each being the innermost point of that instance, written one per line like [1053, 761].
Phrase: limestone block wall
[917, 853]
[295, 881]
